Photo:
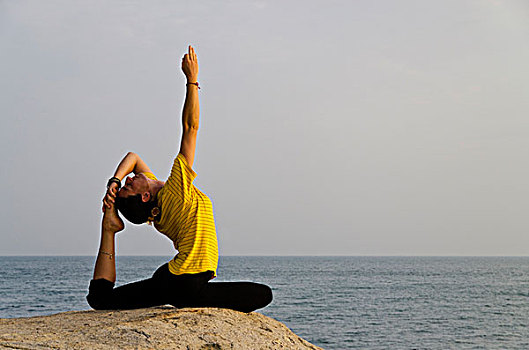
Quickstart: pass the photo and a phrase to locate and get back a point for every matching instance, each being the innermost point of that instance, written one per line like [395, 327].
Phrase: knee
[100, 301]
[99, 294]
[267, 295]
[95, 302]
[263, 297]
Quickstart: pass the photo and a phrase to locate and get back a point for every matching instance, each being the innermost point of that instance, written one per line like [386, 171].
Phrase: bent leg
[240, 296]
[146, 293]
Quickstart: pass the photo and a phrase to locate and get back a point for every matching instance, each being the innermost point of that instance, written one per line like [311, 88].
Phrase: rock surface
[152, 328]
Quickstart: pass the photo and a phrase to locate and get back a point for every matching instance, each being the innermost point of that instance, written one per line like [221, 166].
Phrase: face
[137, 184]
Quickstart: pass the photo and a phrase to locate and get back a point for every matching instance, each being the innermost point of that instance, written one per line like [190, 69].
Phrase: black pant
[188, 290]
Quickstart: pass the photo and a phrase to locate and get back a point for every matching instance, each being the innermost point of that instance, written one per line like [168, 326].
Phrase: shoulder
[182, 162]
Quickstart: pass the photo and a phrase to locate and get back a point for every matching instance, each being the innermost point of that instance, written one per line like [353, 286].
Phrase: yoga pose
[181, 212]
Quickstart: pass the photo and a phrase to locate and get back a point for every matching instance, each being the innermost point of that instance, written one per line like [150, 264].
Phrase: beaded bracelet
[110, 255]
[198, 86]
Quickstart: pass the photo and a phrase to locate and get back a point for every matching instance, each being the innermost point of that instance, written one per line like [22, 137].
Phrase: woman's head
[135, 200]
[137, 184]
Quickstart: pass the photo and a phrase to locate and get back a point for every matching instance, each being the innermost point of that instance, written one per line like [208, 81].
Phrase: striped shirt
[187, 219]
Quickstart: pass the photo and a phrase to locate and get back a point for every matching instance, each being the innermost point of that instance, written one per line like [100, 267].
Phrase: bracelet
[114, 179]
[110, 255]
[198, 86]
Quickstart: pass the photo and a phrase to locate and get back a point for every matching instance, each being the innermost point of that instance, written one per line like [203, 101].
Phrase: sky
[327, 127]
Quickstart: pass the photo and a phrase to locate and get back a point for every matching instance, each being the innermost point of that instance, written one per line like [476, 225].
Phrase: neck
[155, 186]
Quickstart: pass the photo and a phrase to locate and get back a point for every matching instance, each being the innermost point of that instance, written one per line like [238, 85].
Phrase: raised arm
[191, 112]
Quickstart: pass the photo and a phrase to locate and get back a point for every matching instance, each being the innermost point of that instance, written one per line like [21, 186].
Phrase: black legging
[188, 290]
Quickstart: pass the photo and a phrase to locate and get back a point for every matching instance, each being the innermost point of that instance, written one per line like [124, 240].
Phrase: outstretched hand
[111, 220]
[190, 65]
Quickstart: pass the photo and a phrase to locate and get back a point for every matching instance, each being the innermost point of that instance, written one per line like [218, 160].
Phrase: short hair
[134, 209]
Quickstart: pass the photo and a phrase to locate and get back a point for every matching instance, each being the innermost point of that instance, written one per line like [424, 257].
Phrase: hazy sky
[327, 127]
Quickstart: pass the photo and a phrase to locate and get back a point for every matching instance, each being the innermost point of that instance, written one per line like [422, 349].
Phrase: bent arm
[131, 163]
[191, 111]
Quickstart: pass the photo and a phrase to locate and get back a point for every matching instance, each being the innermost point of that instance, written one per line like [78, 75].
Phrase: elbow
[187, 128]
[133, 156]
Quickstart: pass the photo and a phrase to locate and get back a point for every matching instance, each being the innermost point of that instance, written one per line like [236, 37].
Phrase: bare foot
[111, 220]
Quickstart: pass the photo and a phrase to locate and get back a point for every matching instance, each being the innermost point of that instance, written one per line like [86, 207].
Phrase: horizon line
[288, 255]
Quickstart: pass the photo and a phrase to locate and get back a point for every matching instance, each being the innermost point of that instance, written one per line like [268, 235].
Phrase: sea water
[333, 302]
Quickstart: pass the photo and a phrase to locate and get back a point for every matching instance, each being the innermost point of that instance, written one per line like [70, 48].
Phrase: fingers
[190, 64]
[106, 204]
[109, 199]
[190, 55]
[110, 196]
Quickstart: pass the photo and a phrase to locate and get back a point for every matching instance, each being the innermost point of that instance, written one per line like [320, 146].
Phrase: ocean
[333, 302]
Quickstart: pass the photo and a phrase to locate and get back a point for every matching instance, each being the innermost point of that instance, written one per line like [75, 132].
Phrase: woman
[181, 212]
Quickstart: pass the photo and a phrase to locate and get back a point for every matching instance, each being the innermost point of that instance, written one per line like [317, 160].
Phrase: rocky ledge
[152, 328]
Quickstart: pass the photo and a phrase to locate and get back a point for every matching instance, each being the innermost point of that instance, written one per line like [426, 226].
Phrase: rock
[152, 328]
